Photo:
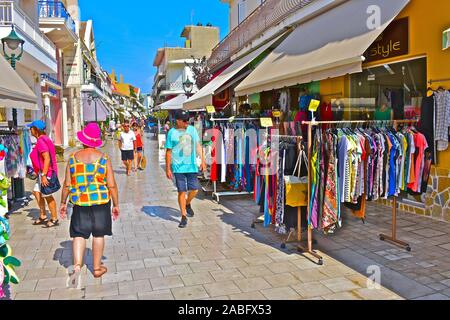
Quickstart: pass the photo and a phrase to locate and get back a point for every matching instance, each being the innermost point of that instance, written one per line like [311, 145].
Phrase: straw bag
[296, 186]
[143, 162]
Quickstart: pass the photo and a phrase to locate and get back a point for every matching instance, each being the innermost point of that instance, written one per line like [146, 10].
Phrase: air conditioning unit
[446, 39]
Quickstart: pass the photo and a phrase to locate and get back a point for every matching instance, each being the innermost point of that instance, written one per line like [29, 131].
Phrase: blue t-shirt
[183, 144]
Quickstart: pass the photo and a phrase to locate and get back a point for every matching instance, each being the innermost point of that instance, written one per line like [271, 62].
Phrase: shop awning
[173, 104]
[328, 46]
[204, 97]
[14, 92]
[89, 112]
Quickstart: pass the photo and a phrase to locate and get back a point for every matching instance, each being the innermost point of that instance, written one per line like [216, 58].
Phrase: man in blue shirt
[183, 146]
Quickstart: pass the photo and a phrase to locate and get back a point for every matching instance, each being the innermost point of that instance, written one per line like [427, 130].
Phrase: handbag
[143, 162]
[53, 182]
[70, 205]
[296, 186]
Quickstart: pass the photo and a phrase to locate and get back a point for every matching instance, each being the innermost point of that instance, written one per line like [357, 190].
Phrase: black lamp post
[13, 42]
[188, 86]
[94, 97]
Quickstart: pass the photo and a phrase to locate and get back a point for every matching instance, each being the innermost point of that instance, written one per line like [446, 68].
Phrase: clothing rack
[332, 94]
[388, 238]
[216, 195]
[438, 80]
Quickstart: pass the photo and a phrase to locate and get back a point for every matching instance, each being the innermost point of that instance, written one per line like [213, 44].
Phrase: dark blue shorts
[187, 182]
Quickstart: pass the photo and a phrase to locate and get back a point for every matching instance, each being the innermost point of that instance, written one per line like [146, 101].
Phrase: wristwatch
[43, 174]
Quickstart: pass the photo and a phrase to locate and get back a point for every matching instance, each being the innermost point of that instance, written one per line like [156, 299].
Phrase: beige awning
[328, 46]
[173, 104]
[14, 92]
[204, 97]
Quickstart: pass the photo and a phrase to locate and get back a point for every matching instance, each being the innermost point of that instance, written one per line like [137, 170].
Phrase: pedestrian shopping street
[219, 255]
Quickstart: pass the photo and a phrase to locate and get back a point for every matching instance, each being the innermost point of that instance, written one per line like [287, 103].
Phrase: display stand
[217, 194]
[393, 238]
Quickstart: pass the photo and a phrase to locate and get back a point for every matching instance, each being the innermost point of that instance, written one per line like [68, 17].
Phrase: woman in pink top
[43, 157]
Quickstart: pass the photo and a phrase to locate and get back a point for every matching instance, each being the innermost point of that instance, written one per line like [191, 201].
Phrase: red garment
[214, 139]
[326, 113]
[139, 143]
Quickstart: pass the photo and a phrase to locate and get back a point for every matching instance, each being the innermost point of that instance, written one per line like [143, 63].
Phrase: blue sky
[128, 33]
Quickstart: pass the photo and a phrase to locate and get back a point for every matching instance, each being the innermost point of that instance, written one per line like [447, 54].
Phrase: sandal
[51, 224]
[40, 221]
[98, 273]
[74, 277]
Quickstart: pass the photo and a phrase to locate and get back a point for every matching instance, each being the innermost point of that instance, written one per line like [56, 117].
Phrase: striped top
[92, 175]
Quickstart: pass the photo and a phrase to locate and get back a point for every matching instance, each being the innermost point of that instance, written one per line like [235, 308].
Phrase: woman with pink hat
[90, 187]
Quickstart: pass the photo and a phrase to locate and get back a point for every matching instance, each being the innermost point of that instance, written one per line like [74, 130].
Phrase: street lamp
[13, 42]
[188, 86]
[93, 97]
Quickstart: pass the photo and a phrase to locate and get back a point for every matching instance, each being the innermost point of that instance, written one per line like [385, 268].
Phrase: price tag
[210, 109]
[313, 105]
[266, 122]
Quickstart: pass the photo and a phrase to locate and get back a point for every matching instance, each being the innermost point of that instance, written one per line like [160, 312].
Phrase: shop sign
[210, 109]
[72, 69]
[446, 39]
[393, 42]
[266, 122]
[313, 105]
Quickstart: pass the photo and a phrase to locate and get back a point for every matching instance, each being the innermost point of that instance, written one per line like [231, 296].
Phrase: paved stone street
[219, 256]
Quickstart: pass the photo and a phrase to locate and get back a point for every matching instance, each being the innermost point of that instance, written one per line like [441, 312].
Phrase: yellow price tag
[266, 122]
[314, 104]
[210, 109]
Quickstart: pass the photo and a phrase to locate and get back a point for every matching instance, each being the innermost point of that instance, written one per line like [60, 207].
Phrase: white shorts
[37, 188]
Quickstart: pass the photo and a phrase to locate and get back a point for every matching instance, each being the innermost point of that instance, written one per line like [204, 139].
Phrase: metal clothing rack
[216, 194]
[388, 238]
[438, 80]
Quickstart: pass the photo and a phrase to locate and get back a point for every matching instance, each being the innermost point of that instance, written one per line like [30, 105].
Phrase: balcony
[39, 51]
[172, 88]
[269, 14]
[57, 23]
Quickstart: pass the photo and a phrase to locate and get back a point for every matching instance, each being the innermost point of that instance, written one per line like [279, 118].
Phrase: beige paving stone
[132, 287]
[311, 289]
[232, 263]
[255, 295]
[282, 293]
[129, 265]
[375, 294]
[166, 283]
[37, 295]
[146, 273]
[342, 296]
[157, 262]
[167, 252]
[197, 278]
[25, 286]
[255, 271]
[227, 274]
[112, 277]
[176, 270]
[222, 288]
[122, 297]
[337, 271]
[235, 253]
[66, 294]
[340, 284]
[282, 280]
[281, 267]
[218, 298]
[309, 275]
[258, 260]
[281, 256]
[185, 259]
[204, 266]
[252, 284]
[44, 273]
[51, 283]
[103, 290]
[190, 293]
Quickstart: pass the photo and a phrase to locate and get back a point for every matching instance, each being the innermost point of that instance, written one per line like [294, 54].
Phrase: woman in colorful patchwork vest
[90, 187]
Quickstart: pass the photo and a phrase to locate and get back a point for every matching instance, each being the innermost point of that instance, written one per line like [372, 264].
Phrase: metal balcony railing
[10, 13]
[268, 14]
[48, 77]
[56, 9]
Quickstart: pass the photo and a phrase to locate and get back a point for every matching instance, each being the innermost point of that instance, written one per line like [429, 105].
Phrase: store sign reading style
[393, 42]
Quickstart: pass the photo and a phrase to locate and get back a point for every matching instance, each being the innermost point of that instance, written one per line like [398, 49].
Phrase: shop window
[3, 115]
[28, 116]
[391, 91]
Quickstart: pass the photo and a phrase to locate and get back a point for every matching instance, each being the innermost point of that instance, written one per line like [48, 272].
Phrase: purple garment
[342, 153]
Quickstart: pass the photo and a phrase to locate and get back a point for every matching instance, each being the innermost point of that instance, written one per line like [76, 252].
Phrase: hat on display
[91, 136]
[38, 124]
[182, 115]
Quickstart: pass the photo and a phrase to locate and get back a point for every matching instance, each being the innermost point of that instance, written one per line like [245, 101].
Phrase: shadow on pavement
[165, 213]
[65, 258]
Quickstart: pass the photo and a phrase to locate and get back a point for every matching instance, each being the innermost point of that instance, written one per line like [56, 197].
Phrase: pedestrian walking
[89, 186]
[138, 146]
[126, 145]
[43, 158]
[183, 148]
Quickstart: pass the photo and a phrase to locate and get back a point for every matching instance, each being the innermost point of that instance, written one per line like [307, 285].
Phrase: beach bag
[296, 186]
[53, 181]
[143, 162]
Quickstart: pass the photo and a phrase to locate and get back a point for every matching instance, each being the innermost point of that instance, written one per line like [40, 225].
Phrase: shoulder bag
[53, 182]
[296, 186]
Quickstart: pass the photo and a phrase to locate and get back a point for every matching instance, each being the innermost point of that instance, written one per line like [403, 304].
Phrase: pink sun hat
[91, 135]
